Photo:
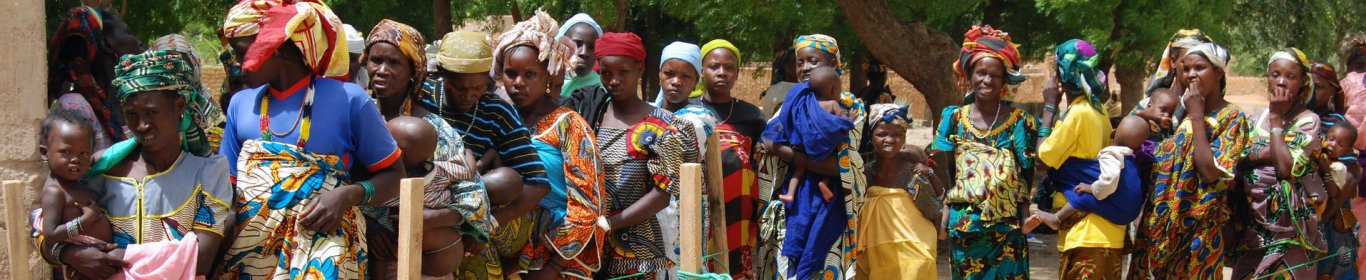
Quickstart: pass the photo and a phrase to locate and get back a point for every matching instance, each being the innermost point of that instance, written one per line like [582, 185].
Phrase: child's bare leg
[1032, 221]
[825, 190]
[1055, 220]
[797, 174]
[442, 251]
[944, 223]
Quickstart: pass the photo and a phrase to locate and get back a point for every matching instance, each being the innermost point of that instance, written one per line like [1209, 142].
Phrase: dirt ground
[1246, 92]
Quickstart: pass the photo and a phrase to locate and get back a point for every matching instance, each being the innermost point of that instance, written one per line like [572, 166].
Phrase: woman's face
[464, 89]
[620, 75]
[888, 139]
[1198, 70]
[809, 58]
[987, 80]
[677, 79]
[1285, 75]
[1323, 93]
[524, 77]
[154, 118]
[720, 69]
[391, 72]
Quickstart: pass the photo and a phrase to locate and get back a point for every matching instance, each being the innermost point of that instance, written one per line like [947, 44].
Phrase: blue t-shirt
[345, 123]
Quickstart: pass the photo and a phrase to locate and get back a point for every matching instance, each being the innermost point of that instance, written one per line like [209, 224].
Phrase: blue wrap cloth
[803, 125]
[1121, 207]
[556, 202]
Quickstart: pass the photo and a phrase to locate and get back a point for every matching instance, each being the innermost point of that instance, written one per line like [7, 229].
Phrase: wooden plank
[16, 237]
[410, 228]
[716, 201]
[690, 228]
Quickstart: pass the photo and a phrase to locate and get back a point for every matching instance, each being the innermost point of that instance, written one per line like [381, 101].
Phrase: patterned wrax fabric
[578, 238]
[647, 155]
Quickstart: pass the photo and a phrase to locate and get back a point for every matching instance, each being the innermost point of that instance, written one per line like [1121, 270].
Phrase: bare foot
[1031, 223]
[825, 190]
[1048, 219]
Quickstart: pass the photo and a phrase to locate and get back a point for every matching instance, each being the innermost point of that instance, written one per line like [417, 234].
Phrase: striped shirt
[494, 124]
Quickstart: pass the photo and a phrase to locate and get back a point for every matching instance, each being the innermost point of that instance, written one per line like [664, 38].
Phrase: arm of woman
[667, 158]
[217, 196]
[644, 209]
[378, 153]
[1287, 148]
[1209, 166]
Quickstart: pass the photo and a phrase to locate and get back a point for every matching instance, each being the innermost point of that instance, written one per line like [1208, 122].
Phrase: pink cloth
[161, 260]
[1359, 209]
[1354, 87]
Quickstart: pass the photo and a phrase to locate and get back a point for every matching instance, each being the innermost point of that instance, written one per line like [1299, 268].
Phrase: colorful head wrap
[244, 19]
[1306, 94]
[1325, 72]
[1077, 71]
[1185, 39]
[313, 28]
[681, 51]
[407, 39]
[82, 23]
[620, 44]
[1217, 55]
[465, 52]
[577, 19]
[556, 52]
[982, 42]
[82, 28]
[168, 70]
[889, 113]
[176, 42]
[706, 49]
[820, 42]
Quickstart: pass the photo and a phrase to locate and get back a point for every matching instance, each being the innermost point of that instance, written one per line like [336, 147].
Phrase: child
[442, 248]
[68, 213]
[1339, 159]
[825, 86]
[897, 241]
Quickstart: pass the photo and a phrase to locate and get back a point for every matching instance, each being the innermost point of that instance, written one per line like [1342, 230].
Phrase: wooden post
[690, 228]
[716, 201]
[16, 236]
[410, 228]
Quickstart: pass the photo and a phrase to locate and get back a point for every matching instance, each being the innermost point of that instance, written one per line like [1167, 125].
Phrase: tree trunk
[1130, 86]
[623, 13]
[441, 17]
[858, 77]
[919, 54]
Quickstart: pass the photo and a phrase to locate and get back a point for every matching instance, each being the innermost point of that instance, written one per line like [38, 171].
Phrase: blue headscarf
[690, 53]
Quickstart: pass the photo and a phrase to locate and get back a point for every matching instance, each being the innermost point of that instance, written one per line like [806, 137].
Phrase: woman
[1283, 183]
[1339, 222]
[680, 66]
[394, 60]
[827, 255]
[85, 49]
[988, 139]
[897, 232]
[208, 114]
[156, 89]
[738, 128]
[294, 170]
[565, 239]
[643, 147]
[1093, 246]
[1168, 68]
[1192, 173]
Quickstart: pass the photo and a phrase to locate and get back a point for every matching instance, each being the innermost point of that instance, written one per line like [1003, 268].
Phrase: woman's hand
[325, 212]
[1280, 105]
[1194, 101]
[1052, 91]
[92, 261]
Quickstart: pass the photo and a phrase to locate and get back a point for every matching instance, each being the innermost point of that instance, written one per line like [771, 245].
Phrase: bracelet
[73, 227]
[369, 192]
[1045, 132]
[57, 254]
[1050, 108]
[1278, 130]
[602, 223]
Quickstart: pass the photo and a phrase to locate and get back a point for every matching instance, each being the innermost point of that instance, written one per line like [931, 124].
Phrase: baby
[1119, 170]
[824, 84]
[68, 213]
[1340, 161]
[442, 248]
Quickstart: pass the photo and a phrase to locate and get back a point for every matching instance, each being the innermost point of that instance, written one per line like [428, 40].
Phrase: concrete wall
[23, 91]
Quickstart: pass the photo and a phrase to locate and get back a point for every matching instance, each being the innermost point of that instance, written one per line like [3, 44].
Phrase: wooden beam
[16, 236]
[690, 228]
[410, 228]
[716, 201]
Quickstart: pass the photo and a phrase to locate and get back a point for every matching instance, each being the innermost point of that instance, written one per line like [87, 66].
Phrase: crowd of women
[542, 160]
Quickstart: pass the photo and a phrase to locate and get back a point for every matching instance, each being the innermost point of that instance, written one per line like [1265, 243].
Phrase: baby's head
[67, 142]
[825, 81]
[1131, 132]
[416, 138]
[1341, 137]
[503, 185]
[1163, 104]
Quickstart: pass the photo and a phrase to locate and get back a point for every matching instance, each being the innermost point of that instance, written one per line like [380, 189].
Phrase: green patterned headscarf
[1077, 71]
[166, 70]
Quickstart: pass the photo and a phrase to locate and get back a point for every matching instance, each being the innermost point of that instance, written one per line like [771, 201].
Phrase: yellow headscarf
[465, 52]
[706, 49]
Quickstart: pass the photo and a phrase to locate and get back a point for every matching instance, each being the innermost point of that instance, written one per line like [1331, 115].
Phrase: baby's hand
[1082, 188]
[88, 208]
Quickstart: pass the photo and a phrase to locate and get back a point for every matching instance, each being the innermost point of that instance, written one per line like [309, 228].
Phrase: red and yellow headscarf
[312, 27]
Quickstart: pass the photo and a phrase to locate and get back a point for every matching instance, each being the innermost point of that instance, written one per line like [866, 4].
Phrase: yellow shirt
[1082, 133]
